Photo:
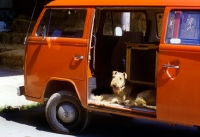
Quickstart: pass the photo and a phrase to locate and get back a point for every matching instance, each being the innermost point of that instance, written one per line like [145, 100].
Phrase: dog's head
[118, 81]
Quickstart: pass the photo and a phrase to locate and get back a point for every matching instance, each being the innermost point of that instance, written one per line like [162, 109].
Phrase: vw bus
[75, 45]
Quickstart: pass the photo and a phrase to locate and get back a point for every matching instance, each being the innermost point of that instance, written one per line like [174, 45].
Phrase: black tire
[65, 113]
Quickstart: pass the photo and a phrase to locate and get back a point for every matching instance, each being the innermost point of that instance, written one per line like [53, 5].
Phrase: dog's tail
[151, 107]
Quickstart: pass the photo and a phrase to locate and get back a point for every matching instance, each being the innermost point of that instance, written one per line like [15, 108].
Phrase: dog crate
[141, 63]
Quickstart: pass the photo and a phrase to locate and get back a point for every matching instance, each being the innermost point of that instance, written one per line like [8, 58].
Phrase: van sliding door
[178, 88]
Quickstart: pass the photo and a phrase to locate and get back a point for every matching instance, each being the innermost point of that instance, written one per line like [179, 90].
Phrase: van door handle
[170, 66]
[78, 57]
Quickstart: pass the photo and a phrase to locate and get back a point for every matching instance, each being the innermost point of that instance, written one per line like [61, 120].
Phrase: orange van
[76, 45]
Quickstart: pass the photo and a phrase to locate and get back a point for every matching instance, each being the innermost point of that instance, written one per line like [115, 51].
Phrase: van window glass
[63, 23]
[159, 17]
[187, 27]
[114, 19]
[170, 26]
[96, 20]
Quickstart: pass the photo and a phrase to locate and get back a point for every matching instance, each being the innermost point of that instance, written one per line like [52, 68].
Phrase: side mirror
[118, 31]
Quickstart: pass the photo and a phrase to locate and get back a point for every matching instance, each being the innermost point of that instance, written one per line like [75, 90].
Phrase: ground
[9, 81]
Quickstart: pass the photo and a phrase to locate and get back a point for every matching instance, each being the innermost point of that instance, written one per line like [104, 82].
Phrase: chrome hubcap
[66, 113]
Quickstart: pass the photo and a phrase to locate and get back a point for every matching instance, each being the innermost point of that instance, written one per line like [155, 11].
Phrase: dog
[124, 93]
[121, 92]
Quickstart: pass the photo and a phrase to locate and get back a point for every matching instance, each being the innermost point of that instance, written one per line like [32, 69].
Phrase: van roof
[96, 3]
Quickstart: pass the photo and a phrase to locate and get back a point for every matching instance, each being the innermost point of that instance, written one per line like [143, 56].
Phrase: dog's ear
[115, 72]
[125, 75]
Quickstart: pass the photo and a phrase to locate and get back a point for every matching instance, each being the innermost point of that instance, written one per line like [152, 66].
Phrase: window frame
[49, 22]
[142, 11]
[157, 32]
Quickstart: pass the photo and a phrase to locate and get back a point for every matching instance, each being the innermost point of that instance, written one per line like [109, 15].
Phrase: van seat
[119, 52]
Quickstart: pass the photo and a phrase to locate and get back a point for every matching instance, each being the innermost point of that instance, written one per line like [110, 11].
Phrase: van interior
[126, 45]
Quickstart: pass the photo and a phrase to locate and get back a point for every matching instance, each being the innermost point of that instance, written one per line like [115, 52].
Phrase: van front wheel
[65, 113]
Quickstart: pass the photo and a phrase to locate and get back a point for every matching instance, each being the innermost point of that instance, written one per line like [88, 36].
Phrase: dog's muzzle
[115, 88]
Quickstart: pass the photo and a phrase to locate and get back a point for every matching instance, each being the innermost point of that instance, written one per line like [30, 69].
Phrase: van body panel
[78, 85]
[64, 67]
[178, 92]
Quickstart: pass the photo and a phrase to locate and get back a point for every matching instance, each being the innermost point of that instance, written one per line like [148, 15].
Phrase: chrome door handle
[170, 66]
[78, 57]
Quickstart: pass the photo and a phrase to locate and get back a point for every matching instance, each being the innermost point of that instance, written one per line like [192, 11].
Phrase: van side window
[170, 26]
[114, 19]
[189, 28]
[183, 26]
[62, 23]
[159, 17]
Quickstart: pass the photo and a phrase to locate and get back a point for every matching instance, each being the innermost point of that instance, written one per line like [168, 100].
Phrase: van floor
[117, 107]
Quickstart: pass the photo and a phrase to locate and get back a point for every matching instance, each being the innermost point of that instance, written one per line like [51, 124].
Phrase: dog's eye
[120, 78]
[113, 76]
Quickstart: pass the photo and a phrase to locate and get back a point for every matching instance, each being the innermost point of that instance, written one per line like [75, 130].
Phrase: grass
[6, 109]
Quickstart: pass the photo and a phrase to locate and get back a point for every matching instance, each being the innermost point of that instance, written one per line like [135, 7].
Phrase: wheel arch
[56, 84]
